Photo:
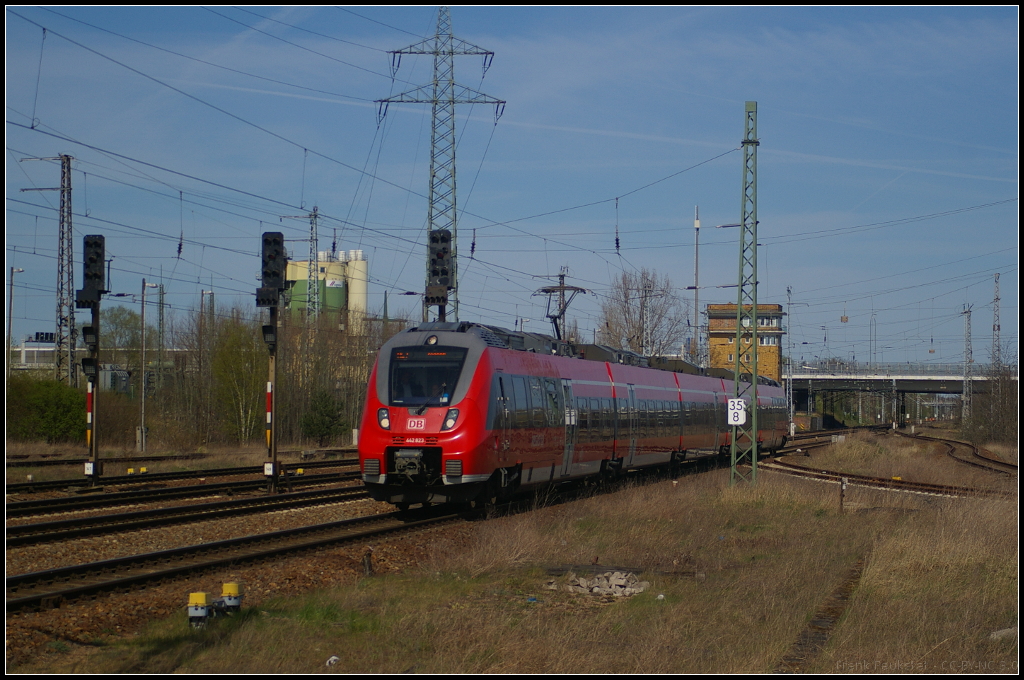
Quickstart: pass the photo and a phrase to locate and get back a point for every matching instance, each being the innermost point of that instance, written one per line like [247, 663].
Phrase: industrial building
[341, 278]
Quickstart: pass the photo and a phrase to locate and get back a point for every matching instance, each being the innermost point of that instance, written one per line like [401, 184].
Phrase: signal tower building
[722, 338]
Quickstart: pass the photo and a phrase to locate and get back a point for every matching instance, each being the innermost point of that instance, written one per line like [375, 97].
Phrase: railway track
[796, 470]
[51, 588]
[25, 460]
[975, 457]
[60, 530]
[150, 477]
[105, 500]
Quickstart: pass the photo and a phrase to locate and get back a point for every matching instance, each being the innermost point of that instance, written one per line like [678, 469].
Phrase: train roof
[503, 338]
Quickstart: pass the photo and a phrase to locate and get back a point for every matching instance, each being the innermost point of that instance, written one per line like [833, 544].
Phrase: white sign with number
[737, 411]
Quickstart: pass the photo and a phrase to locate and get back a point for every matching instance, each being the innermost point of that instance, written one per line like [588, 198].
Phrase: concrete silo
[342, 279]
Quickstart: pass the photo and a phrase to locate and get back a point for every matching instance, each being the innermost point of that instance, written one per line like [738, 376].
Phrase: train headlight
[450, 419]
[384, 418]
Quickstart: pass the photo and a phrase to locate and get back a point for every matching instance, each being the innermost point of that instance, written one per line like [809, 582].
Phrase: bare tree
[335, 362]
[644, 314]
[121, 330]
[239, 365]
[995, 405]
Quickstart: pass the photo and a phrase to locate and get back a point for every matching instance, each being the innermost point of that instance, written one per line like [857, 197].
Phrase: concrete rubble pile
[615, 583]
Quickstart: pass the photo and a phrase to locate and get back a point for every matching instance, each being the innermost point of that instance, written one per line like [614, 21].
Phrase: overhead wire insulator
[616, 225]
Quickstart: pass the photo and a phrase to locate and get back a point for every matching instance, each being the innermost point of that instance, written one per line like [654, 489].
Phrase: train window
[582, 419]
[522, 402]
[555, 411]
[424, 375]
[538, 406]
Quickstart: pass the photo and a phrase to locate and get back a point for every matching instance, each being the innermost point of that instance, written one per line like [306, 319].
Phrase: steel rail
[75, 503]
[32, 487]
[881, 482]
[50, 532]
[50, 588]
[989, 464]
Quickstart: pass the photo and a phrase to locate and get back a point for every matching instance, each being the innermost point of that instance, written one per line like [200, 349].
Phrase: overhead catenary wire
[549, 245]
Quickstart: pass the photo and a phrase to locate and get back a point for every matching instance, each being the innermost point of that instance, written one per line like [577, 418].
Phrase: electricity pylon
[66, 337]
[442, 94]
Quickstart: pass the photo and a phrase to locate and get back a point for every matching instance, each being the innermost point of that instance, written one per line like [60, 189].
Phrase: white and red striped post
[270, 416]
[88, 415]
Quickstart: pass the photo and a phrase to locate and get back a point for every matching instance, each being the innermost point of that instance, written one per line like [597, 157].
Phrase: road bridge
[893, 380]
[846, 376]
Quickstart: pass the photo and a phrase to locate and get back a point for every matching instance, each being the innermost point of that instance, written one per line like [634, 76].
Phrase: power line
[210, 63]
[380, 23]
[204, 103]
[288, 42]
[306, 30]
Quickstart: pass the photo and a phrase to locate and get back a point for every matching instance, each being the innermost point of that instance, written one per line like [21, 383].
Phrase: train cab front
[423, 427]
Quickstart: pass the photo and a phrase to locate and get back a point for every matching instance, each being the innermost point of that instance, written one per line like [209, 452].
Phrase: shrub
[44, 409]
[322, 421]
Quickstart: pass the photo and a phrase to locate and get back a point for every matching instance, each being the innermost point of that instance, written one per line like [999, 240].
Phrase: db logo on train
[417, 423]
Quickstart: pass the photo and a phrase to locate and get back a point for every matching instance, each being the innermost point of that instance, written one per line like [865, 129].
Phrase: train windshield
[424, 376]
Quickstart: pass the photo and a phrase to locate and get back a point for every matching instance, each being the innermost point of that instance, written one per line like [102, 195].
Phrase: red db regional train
[461, 412]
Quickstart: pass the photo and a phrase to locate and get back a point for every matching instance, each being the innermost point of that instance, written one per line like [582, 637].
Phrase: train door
[505, 412]
[632, 423]
[569, 404]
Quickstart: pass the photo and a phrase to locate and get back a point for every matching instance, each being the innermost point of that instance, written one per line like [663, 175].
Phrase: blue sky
[887, 170]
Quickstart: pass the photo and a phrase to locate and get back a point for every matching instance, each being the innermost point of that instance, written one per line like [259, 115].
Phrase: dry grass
[1004, 452]
[741, 571]
[933, 592]
[765, 557]
[910, 459]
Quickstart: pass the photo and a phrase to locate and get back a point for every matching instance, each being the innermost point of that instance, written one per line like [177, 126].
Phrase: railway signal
[439, 272]
[95, 254]
[93, 288]
[274, 259]
[274, 266]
